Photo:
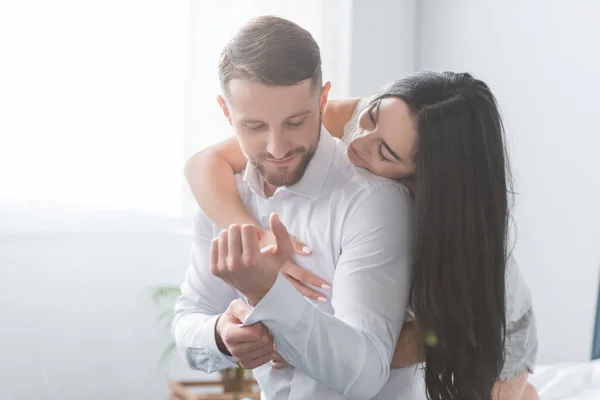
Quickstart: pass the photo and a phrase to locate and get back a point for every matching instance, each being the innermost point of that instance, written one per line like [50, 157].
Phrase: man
[356, 223]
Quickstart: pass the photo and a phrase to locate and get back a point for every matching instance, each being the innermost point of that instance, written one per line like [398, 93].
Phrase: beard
[285, 176]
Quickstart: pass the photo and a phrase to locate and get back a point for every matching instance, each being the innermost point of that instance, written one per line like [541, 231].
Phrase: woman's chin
[356, 160]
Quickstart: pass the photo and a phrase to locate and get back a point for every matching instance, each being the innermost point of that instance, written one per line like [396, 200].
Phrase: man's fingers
[250, 237]
[277, 357]
[239, 347]
[305, 290]
[304, 276]
[214, 256]
[239, 310]
[256, 362]
[223, 249]
[278, 362]
[234, 240]
[247, 352]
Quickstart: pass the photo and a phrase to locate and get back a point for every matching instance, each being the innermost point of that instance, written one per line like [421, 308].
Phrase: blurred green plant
[164, 297]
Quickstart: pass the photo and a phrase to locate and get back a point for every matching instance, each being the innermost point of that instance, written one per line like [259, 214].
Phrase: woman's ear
[223, 105]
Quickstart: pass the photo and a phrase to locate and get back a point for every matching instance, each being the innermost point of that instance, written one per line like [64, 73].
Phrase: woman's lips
[355, 154]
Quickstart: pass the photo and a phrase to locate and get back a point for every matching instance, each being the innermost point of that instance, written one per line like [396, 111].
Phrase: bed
[579, 381]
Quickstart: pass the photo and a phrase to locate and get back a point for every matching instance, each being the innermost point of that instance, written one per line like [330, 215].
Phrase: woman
[441, 134]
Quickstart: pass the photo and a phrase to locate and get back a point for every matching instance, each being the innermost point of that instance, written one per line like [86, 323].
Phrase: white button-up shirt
[358, 226]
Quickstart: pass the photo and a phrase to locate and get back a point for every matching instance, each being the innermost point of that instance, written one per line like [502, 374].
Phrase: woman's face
[386, 142]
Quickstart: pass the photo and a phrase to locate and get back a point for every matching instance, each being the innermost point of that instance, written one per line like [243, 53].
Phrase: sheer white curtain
[92, 100]
[102, 102]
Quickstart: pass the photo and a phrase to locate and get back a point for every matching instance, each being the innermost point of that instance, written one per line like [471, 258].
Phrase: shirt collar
[311, 183]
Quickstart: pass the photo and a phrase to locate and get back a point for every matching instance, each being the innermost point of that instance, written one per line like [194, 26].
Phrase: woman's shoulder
[338, 113]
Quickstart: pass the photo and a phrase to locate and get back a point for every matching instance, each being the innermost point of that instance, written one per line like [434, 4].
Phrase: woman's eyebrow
[377, 107]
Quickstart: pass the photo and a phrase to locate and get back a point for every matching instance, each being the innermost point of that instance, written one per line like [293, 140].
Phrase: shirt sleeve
[351, 350]
[203, 298]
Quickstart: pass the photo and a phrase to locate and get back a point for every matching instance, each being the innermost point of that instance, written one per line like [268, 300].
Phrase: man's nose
[277, 145]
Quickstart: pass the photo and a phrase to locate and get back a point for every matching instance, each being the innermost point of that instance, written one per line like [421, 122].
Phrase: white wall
[382, 43]
[541, 59]
[76, 322]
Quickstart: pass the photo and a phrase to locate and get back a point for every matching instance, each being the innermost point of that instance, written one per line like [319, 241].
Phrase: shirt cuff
[216, 359]
[282, 307]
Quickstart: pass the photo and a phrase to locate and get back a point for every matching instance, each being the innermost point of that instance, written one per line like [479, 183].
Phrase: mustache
[297, 150]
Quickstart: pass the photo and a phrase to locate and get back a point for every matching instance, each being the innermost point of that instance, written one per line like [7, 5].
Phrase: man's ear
[223, 105]
[324, 94]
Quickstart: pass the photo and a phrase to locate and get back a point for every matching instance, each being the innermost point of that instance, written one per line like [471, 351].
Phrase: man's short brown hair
[272, 51]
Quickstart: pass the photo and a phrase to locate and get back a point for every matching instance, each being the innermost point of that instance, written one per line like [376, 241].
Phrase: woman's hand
[301, 279]
[297, 276]
[267, 239]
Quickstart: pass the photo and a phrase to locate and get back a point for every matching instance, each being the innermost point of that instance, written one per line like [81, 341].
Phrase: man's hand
[236, 258]
[251, 345]
[278, 362]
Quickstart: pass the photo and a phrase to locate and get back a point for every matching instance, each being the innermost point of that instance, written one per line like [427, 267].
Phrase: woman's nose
[361, 142]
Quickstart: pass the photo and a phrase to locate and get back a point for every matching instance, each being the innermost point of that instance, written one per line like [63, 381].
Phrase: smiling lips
[283, 161]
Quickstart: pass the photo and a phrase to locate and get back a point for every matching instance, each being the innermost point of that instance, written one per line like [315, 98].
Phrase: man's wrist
[254, 298]
[219, 340]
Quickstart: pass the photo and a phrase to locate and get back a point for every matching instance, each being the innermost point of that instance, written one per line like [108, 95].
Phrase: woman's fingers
[305, 290]
[267, 238]
[299, 247]
[304, 276]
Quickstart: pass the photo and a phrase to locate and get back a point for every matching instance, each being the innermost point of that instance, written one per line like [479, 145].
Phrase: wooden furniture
[181, 391]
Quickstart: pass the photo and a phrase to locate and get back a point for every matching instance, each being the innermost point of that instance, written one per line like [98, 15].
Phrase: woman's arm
[410, 349]
[211, 176]
[336, 115]
[515, 389]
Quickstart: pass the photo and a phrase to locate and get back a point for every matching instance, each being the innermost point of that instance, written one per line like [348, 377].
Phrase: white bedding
[568, 381]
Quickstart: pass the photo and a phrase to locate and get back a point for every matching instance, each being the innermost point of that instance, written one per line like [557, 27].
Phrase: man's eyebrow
[252, 121]
[256, 121]
[299, 114]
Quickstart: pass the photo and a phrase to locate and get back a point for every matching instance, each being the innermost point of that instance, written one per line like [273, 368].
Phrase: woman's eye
[382, 157]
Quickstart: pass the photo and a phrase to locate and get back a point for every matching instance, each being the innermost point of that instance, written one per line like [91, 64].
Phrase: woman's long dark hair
[460, 253]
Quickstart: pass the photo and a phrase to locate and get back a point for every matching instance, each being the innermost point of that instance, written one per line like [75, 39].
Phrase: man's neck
[269, 190]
